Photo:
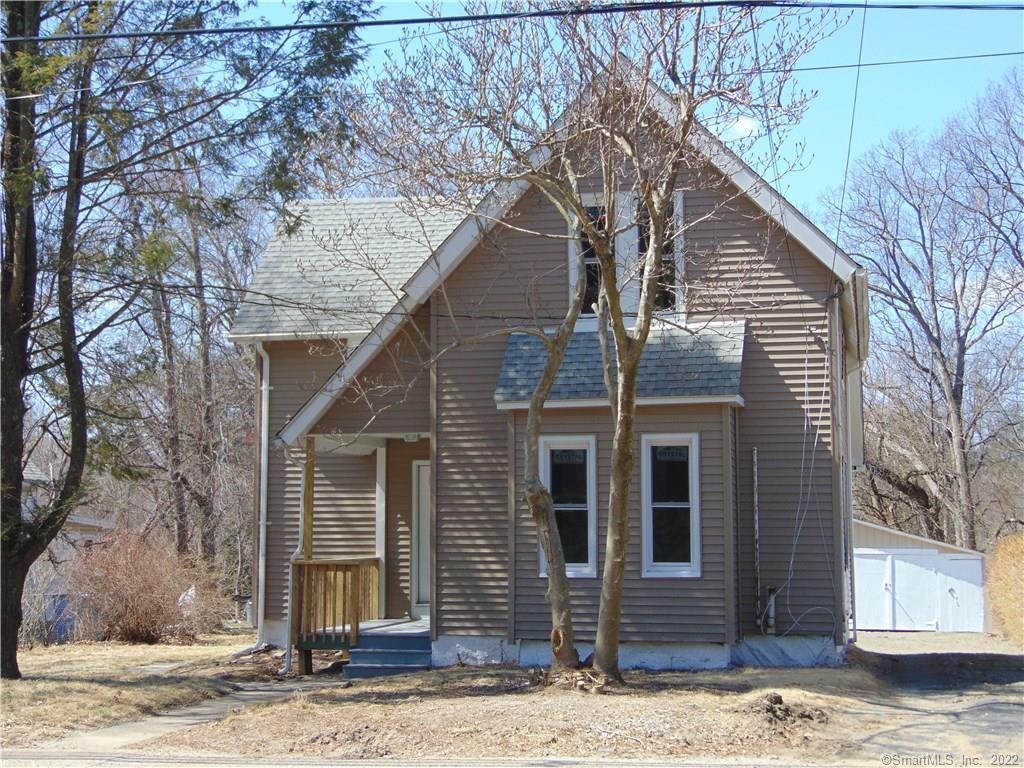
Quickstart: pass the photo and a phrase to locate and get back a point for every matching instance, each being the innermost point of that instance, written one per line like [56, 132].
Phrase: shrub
[141, 591]
[1005, 585]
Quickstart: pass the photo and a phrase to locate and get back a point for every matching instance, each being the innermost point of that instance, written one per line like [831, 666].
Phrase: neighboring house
[909, 582]
[47, 616]
[394, 488]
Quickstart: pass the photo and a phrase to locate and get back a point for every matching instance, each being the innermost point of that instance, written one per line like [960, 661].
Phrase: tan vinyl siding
[728, 470]
[737, 268]
[392, 394]
[489, 291]
[654, 609]
[344, 491]
[398, 539]
[740, 269]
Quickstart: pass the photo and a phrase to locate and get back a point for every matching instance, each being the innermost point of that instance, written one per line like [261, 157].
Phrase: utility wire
[545, 13]
[821, 68]
[849, 141]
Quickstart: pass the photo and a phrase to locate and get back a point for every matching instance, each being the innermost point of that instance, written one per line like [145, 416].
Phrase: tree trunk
[606, 645]
[18, 281]
[205, 495]
[23, 541]
[563, 640]
[965, 497]
[174, 457]
[13, 572]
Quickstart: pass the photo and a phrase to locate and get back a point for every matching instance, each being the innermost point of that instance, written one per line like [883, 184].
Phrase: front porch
[368, 497]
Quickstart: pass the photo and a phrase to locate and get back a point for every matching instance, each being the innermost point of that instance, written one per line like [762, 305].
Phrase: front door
[420, 538]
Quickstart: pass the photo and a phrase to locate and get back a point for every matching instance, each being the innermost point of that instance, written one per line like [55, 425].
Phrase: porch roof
[677, 363]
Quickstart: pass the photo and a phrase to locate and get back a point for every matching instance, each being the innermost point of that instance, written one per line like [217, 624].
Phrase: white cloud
[742, 127]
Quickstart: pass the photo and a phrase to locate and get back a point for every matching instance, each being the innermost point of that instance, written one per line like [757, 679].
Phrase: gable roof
[336, 274]
[439, 265]
[676, 363]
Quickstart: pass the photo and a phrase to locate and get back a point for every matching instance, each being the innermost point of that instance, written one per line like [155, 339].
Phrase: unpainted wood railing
[331, 598]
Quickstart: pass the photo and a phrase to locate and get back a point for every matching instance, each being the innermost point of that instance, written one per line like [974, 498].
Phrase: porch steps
[388, 654]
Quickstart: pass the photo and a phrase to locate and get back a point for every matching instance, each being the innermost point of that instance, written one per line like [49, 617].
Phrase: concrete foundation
[792, 651]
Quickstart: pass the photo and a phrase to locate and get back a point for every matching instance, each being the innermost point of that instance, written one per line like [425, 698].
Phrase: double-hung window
[670, 490]
[668, 297]
[569, 470]
[591, 264]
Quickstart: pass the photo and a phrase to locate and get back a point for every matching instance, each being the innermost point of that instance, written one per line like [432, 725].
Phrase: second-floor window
[628, 247]
[590, 260]
[667, 297]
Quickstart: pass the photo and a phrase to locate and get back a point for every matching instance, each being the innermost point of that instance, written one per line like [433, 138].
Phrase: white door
[420, 538]
[873, 580]
[915, 592]
[962, 594]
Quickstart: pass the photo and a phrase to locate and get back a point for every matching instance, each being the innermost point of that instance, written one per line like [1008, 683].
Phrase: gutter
[854, 302]
[261, 600]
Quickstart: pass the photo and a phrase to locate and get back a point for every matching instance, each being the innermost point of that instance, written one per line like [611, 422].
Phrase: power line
[849, 143]
[546, 13]
[820, 68]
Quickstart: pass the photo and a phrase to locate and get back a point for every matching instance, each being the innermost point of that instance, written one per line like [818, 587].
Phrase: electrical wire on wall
[808, 494]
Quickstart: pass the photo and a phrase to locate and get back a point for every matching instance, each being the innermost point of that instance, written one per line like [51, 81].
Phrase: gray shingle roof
[676, 363]
[341, 267]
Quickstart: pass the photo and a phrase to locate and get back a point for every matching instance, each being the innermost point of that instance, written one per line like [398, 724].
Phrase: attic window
[667, 298]
[591, 264]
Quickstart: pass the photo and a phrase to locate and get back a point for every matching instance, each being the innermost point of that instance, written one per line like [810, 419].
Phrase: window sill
[657, 572]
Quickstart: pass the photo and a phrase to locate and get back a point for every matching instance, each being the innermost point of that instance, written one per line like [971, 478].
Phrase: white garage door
[918, 590]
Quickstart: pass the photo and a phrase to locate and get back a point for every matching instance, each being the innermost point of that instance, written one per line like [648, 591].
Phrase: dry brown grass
[1005, 585]
[492, 713]
[72, 687]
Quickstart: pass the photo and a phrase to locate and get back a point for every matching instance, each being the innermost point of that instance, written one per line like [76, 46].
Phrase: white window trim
[652, 570]
[625, 242]
[678, 315]
[589, 442]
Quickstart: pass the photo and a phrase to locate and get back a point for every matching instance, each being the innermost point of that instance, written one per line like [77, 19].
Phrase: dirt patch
[71, 687]
[508, 713]
[778, 713]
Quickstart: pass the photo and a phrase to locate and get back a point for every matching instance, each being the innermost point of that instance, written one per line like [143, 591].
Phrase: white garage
[908, 582]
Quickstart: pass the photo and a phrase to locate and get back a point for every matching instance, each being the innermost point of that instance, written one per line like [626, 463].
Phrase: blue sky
[906, 97]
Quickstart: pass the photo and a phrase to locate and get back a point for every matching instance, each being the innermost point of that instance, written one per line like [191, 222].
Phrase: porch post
[307, 499]
[381, 523]
[306, 656]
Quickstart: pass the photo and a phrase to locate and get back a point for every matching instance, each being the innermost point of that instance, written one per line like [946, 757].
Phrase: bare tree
[603, 116]
[85, 120]
[939, 220]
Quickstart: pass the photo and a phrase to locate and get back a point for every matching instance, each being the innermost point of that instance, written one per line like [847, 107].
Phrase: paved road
[50, 759]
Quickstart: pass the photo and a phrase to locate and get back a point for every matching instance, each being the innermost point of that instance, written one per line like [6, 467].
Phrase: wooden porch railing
[330, 599]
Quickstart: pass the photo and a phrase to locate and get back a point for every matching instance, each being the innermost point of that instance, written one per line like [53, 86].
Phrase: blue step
[357, 671]
[400, 656]
[409, 642]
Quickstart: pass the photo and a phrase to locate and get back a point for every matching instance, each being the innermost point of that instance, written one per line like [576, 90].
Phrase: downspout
[261, 598]
[296, 555]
